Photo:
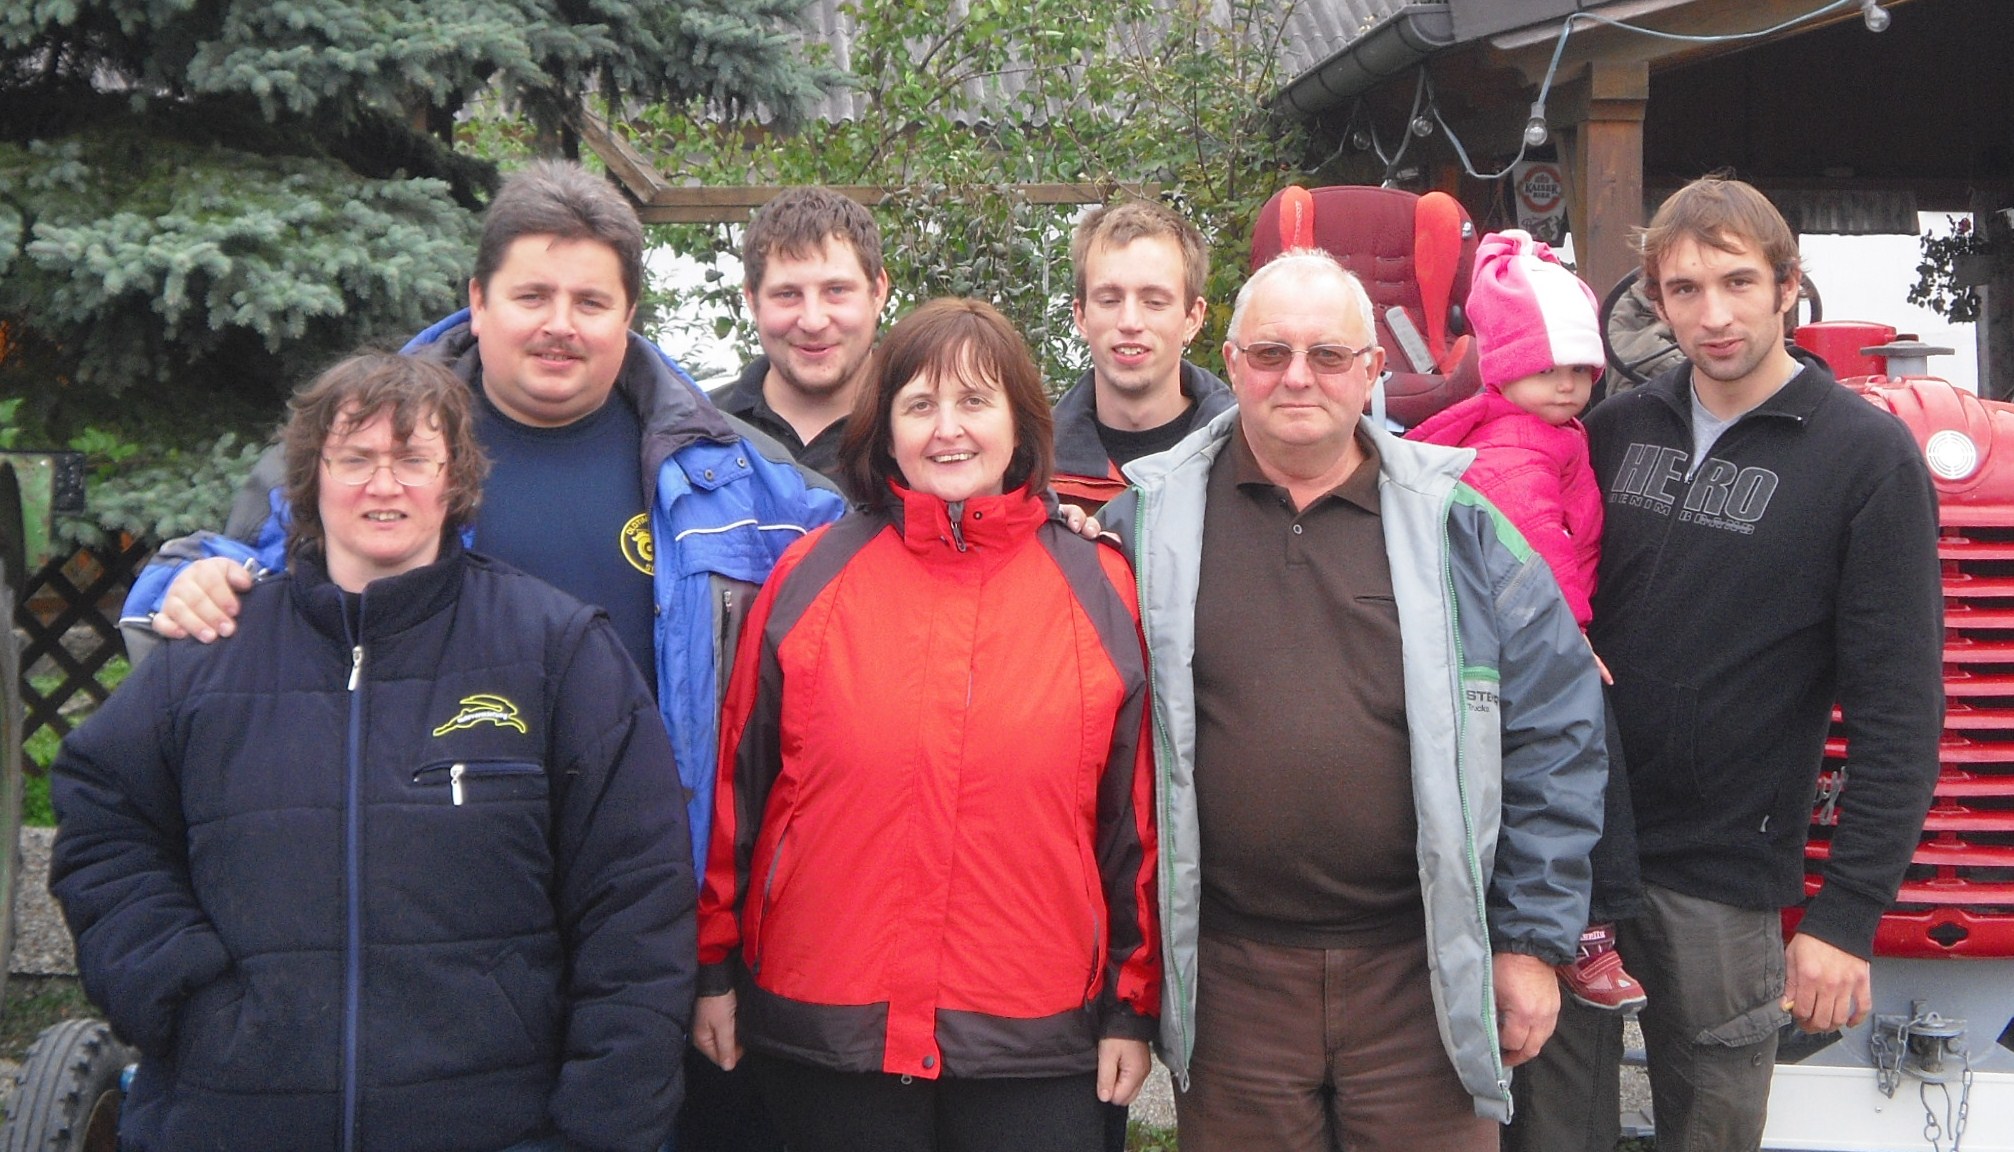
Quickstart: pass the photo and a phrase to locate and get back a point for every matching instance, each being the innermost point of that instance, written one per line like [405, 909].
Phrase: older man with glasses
[1382, 763]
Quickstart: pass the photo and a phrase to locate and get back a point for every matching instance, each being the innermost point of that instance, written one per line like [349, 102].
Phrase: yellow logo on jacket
[636, 543]
[483, 708]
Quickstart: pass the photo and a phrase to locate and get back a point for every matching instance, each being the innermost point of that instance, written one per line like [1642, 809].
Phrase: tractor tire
[66, 1097]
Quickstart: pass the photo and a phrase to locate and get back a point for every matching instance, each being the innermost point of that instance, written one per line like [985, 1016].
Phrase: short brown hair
[561, 199]
[354, 393]
[796, 223]
[1117, 225]
[1723, 213]
[948, 337]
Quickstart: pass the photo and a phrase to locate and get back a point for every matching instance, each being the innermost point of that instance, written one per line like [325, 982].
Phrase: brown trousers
[1315, 1050]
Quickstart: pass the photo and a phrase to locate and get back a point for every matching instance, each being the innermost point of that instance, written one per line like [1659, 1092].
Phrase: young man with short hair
[1770, 548]
[1138, 301]
[813, 280]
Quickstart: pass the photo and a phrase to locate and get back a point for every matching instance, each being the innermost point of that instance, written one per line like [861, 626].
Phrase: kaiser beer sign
[1541, 199]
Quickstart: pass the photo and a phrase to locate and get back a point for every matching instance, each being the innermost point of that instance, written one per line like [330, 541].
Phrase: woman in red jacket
[929, 900]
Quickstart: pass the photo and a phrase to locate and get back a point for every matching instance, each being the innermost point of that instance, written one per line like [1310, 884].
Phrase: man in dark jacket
[1770, 548]
[1138, 301]
[814, 284]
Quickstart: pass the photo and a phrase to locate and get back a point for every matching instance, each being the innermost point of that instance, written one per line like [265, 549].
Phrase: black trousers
[723, 1110]
[823, 1111]
[1618, 885]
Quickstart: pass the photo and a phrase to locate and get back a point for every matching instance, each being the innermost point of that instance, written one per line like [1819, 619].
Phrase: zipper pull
[455, 782]
[356, 666]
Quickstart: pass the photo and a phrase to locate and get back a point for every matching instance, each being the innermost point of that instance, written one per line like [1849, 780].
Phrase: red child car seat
[1411, 252]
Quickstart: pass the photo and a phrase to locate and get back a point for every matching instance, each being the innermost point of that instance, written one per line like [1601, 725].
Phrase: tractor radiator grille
[1957, 898]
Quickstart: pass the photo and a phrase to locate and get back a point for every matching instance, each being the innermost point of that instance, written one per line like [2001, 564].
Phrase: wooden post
[1604, 165]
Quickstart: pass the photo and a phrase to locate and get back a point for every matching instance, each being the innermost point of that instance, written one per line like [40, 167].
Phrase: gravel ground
[41, 942]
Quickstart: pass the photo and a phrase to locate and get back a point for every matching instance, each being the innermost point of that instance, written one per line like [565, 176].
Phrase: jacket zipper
[1469, 856]
[768, 883]
[956, 512]
[352, 900]
[465, 770]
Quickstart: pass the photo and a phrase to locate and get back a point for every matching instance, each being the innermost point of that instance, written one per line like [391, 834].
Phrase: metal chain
[1890, 1046]
[1887, 1052]
[1933, 1131]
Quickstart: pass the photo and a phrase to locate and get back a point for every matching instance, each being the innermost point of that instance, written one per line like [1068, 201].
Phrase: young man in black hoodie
[1138, 301]
[1770, 548]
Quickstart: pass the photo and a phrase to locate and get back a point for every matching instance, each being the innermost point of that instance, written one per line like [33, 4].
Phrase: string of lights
[1426, 112]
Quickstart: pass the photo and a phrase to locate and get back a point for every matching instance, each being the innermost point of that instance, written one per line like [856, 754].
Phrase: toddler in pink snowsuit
[1541, 353]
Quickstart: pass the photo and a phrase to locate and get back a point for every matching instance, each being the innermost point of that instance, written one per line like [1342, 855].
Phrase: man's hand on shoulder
[1079, 521]
[1527, 1005]
[203, 600]
[1824, 988]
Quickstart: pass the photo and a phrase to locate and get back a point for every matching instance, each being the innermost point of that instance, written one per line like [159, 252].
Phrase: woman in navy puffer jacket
[404, 864]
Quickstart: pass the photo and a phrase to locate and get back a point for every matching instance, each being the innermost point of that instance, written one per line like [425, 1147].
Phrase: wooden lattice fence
[68, 616]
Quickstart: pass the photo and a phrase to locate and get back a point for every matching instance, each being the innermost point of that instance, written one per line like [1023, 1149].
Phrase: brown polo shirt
[1303, 777]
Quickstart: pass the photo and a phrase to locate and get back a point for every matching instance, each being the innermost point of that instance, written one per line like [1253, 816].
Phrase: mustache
[564, 347]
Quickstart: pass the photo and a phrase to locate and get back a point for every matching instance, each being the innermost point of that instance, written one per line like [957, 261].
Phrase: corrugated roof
[1318, 29]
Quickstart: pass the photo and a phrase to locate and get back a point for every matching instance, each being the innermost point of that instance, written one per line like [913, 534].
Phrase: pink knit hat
[1528, 312]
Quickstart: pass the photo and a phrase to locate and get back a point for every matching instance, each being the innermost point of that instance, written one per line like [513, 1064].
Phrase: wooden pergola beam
[658, 201]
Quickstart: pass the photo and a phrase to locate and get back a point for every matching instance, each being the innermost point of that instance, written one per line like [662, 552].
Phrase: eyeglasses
[356, 469]
[1323, 359]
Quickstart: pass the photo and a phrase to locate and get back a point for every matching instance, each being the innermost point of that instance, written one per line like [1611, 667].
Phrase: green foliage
[39, 750]
[1939, 285]
[1136, 91]
[1142, 1137]
[344, 61]
[200, 204]
[36, 809]
[209, 200]
[181, 261]
[171, 493]
[41, 747]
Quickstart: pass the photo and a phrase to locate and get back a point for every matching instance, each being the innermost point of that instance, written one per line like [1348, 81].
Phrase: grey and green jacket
[1504, 708]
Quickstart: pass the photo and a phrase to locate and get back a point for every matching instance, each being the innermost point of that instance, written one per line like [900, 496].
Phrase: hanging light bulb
[1535, 133]
[1360, 140]
[1422, 127]
[1875, 16]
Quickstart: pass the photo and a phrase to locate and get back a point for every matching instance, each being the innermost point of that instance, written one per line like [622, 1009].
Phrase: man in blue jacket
[656, 507]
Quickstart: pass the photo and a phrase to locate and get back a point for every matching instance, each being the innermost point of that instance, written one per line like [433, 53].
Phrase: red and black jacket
[933, 848]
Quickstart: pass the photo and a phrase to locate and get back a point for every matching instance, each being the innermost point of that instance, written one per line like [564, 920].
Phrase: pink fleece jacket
[1537, 474]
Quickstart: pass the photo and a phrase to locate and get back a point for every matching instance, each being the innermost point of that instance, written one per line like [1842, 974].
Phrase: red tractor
[1933, 1066]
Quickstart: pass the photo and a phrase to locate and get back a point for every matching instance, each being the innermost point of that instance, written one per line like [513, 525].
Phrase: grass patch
[1148, 1138]
[36, 810]
[33, 1004]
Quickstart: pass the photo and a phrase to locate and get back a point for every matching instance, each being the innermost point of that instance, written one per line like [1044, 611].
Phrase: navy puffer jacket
[411, 874]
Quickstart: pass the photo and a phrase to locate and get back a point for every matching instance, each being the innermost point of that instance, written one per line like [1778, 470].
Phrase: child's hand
[1599, 666]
